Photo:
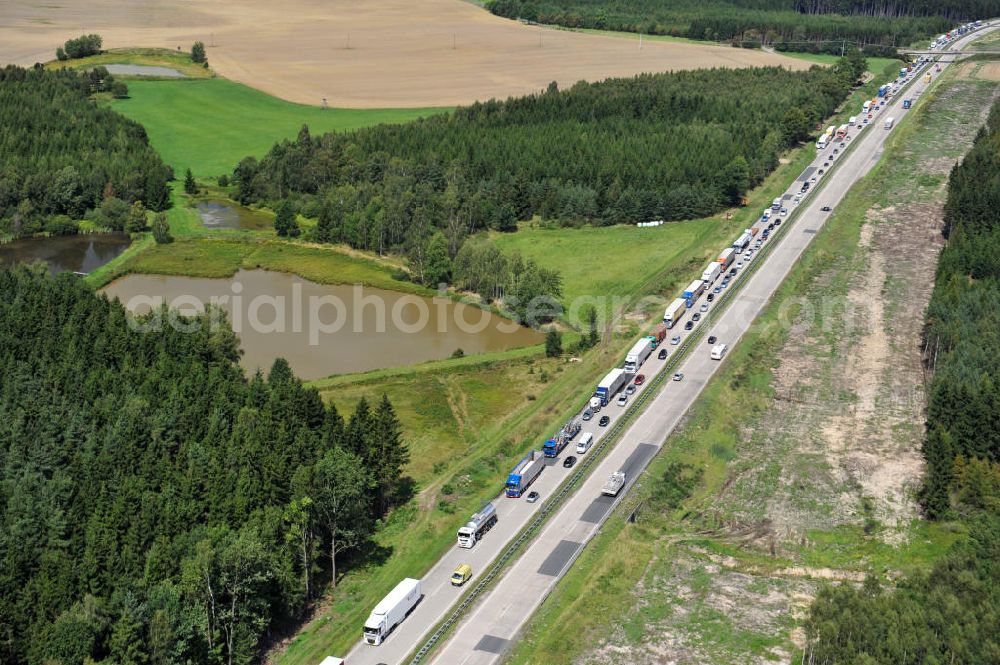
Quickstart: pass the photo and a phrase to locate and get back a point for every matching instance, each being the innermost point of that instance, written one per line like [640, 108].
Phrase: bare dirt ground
[377, 53]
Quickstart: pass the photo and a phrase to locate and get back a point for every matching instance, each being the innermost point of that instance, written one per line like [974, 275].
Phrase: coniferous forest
[62, 156]
[880, 25]
[949, 615]
[160, 507]
[664, 146]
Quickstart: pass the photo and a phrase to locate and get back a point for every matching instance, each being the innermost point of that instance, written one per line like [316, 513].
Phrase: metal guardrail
[550, 506]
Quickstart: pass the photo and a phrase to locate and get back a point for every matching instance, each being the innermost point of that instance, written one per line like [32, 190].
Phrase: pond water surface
[222, 215]
[323, 330]
[77, 253]
[144, 70]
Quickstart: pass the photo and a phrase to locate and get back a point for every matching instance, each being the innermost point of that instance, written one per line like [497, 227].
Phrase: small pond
[322, 329]
[144, 70]
[222, 215]
[77, 253]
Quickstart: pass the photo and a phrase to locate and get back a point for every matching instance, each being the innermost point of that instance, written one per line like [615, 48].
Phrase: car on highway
[704, 307]
[534, 496]
[569, 462]
[710, 297]
[641, 378]
[820, 172]
[739, 264]
[814, 178]
[777, 222]
[603, 422]
[630, 389]
[588, 414]
[675, 340]
[784, 212]
[678, 376]
[836, 150]
[732, 272]
[716, 290]
[689, 325]
[461, 575]
[825, 208]
[725, 282]
[696, 316]
[623, 399]
[711, 339]
[662, 355]
[825, 164]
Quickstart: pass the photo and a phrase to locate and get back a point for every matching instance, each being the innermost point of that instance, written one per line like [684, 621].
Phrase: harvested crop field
[380, 53]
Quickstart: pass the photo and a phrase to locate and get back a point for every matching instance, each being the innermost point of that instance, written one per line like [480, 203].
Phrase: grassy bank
[150, 57]
[223, 256]
[210, 125]
[691, 580]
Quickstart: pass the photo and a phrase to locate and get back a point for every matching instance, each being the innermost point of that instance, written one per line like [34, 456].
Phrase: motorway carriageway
[494, 622]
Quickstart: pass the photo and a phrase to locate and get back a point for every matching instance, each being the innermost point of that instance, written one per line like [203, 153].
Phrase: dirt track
[450, 52]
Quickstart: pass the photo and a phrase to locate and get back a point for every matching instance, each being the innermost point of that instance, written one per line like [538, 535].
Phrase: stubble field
[380, 53]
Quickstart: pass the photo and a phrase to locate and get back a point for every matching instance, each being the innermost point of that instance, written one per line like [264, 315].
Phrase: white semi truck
[638, 354]
[391, 611]
[477, 526]
[674, 313]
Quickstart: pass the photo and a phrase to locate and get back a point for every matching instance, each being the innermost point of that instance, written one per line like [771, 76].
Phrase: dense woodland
[160, 507]
[665, 146]
[62, 156]
[807, 23]
[949, 615]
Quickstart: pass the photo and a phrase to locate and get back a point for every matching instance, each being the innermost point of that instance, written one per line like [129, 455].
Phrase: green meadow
[210, 125]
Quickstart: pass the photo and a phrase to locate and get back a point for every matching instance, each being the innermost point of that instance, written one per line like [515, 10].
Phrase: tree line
[159, 506]
[949, 614]
[62, 156]
[660, 146]
[885, 23]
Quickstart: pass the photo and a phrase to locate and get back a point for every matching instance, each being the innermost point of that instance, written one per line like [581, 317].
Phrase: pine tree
[284, 220]
[198, 53]
[190, 186]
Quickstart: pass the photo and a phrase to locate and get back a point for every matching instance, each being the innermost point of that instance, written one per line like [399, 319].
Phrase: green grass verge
[875, 65]
[597, 596]
[221, 257]
[153, 57]
[210, 125]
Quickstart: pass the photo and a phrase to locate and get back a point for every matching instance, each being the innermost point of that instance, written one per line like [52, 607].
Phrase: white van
[888, 123]
[718, 351]
[583, 445]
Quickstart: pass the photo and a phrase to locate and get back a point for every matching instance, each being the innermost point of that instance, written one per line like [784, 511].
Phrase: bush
[82, 46]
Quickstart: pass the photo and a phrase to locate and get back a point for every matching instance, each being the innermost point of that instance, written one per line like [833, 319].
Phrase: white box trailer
[330, 660]
[711, 272]
[638, 354]
[674, 312]
[391, 611]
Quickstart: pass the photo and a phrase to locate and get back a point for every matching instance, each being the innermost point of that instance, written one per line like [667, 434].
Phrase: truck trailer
[693, 292]
[674, 312]
[742, 242]
[726, 258]
[639, 352]
[658, 335]
[610, 385]
[477, 526]
[710, 273]
[524, 473]
[552, 447]
[391, 611]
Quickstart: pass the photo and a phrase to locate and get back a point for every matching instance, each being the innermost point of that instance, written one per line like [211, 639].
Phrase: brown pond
[76, 253]
[222, 215]
[323, 330]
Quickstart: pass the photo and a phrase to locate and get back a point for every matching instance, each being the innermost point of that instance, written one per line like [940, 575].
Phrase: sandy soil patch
[379, 53]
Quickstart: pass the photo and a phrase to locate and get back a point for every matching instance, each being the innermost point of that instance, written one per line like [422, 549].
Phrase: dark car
[777, 222]
[710, 297]
[711, 339]
[588, 414]
[569, 462]
[825, 164]
[836, 150]
[825, 208]
[641, 378]
[689, 325]
[820, 172]
[696, 316]
[603, 422]
[662, 355]
[771, 226]
[733, 272]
